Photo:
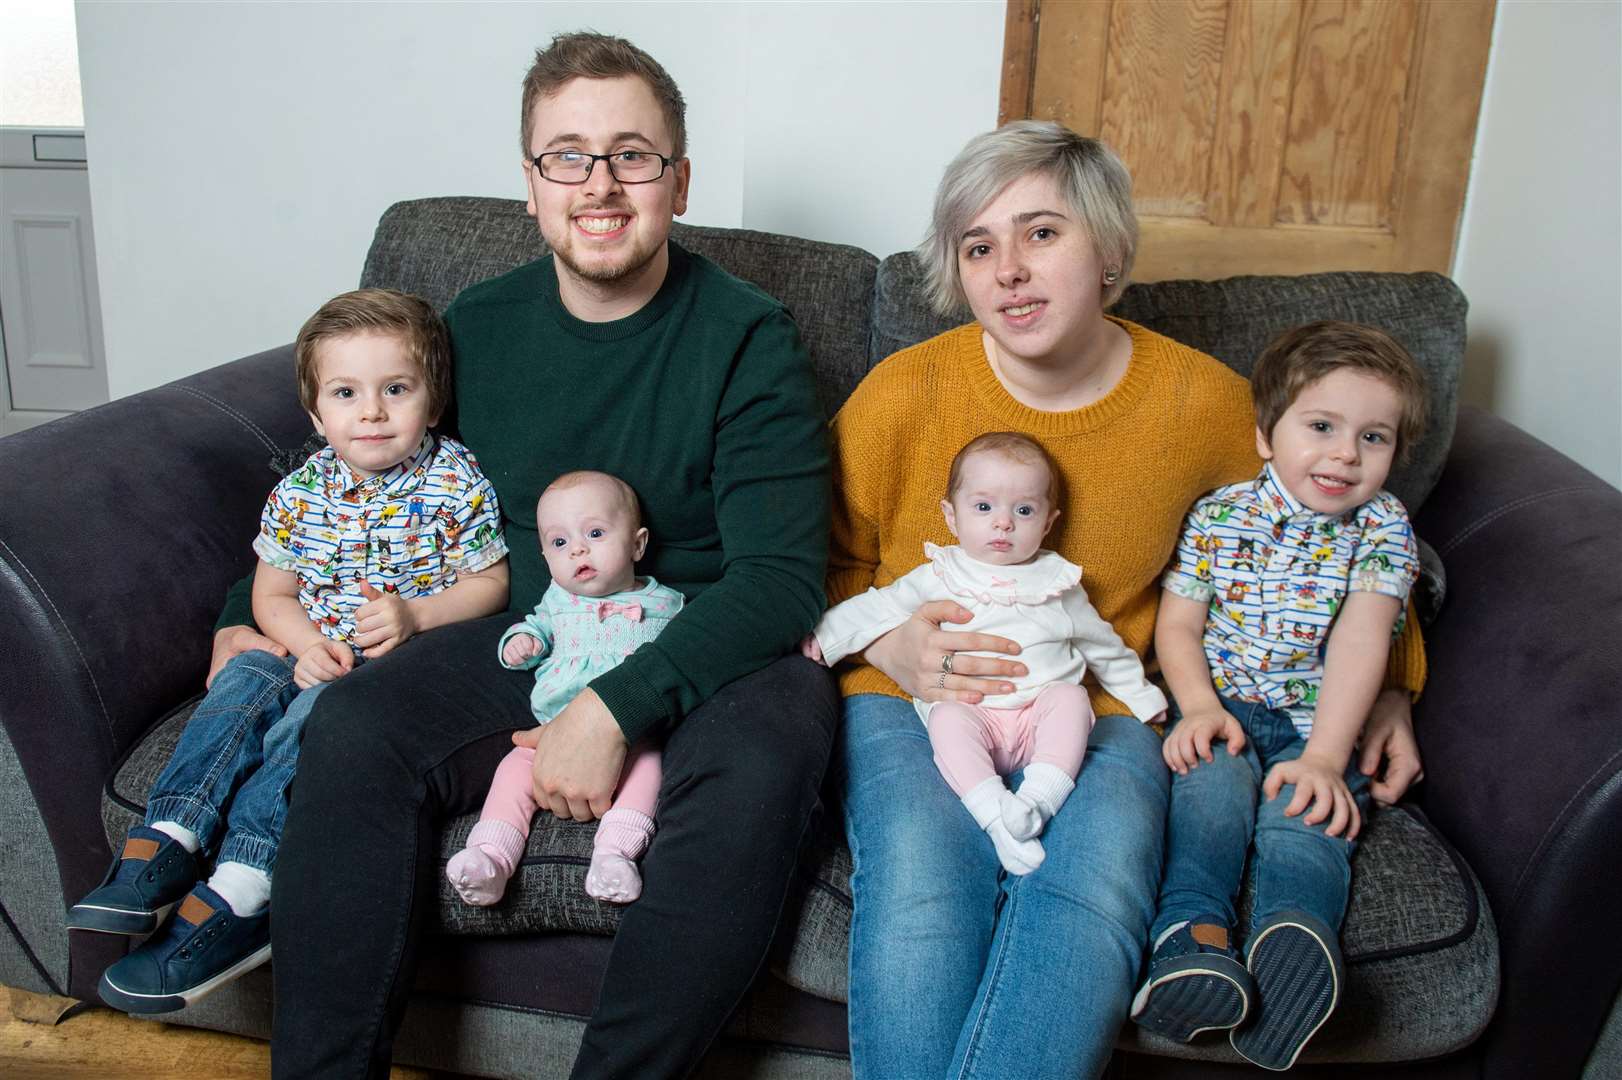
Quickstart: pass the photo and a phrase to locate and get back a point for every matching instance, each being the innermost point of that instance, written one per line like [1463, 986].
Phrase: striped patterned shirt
[409, 530]
[1275, 573]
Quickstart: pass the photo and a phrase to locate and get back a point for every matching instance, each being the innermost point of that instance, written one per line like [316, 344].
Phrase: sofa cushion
[438, 247]
[1234, 318]
[1421, 948]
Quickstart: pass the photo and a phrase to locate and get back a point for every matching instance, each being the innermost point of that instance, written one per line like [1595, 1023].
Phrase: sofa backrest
[1234, 318]
[438, 247]
[853, 310]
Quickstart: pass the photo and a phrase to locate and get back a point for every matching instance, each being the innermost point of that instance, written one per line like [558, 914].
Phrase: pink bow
[631, 611]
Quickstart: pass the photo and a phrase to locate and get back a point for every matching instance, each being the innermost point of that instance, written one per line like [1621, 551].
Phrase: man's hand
[1189, 742]
[1389, 734]
[233, 641]
[520, 647]
[911, 655]
[578, 758]
[811, 650]
[1321, 786]
[384, 621]
[323, 662]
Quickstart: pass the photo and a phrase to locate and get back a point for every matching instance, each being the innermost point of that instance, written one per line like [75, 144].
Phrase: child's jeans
[973, 743]
[1216, 812]
[234, 765]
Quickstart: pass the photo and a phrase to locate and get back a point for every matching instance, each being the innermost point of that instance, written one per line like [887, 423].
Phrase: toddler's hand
[322, 662]
[383, 622]
[520, 647]
[1189, 741]
[1321, 786]
[811, 650]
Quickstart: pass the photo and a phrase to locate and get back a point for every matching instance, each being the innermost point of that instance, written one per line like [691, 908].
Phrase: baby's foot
[1018, 857]
[613, 877]
[479, 878]
[1021, 817]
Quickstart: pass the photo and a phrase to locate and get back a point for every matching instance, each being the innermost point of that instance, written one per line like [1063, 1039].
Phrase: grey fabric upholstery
[438, 247]
[1234, 318]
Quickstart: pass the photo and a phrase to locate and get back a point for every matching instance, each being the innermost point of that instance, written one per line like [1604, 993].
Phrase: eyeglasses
[626, 166]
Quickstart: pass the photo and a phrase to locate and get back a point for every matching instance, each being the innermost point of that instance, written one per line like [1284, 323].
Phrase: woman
[956, 969]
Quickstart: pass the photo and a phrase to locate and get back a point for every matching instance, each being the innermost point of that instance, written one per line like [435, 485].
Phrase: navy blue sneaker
[1295, 960]
[151, 873]
[201, 949]
[1195, 983]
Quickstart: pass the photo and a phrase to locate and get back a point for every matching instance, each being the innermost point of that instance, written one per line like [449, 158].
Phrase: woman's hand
[912, 655]
[233, 641]
[1389, 734]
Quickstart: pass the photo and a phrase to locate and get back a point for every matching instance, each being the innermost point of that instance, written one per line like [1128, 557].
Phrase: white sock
[985, 804]
[245, 888]
[1040, 794]
[187, 838]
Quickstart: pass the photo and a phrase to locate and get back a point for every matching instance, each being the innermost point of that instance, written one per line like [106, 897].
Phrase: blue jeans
[959, 970]
[1216, 812]
[231, 771]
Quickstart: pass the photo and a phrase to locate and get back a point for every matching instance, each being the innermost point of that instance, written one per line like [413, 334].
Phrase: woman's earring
[1112, 275]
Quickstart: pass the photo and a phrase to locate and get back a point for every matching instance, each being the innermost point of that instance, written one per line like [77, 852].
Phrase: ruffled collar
[1045, 576]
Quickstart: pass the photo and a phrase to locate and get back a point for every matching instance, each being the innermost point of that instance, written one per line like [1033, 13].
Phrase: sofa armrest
[1518, 727]
[120, 530]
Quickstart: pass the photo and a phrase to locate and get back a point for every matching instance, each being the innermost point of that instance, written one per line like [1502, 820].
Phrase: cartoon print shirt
[410, 530]
[584, 636]
[1039, 603]
[1275, 573]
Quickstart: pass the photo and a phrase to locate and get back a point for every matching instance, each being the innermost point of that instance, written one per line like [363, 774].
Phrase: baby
[1001, 500]
[593, 615]
[387, 532]
[1274, 630]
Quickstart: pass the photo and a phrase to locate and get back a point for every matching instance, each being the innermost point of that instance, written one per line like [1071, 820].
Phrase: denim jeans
[1216, 813]
[234, 764]
[959, 970]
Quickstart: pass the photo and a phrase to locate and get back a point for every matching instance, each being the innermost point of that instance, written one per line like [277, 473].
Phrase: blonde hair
[1010, 444]
[411, 319]
[588, 55]
[1089, 176]
[1297, 358]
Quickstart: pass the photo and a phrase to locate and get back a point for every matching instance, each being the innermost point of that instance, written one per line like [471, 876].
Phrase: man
[623, 353]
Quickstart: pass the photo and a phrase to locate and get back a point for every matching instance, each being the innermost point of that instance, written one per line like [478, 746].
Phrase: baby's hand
[1320, 785]
[322, 662]
[811, 650]
[520, 647]
[1189, 742]
[384, 621]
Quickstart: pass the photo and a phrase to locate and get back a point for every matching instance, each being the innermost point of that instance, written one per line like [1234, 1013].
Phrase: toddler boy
[387, 532]
[1274, 629]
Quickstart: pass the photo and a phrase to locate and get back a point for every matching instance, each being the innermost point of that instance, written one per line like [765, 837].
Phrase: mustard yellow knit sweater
[1178, 424]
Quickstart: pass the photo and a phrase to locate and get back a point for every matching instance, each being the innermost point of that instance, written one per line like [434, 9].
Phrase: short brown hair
[588, 55]
[378, 311]
[622, 490]
[1021, 448]
[1300, 357]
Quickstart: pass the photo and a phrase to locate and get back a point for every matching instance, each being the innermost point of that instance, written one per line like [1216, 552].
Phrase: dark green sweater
[704, 402]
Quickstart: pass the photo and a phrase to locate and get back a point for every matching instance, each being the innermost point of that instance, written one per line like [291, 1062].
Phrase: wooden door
[1267, 136]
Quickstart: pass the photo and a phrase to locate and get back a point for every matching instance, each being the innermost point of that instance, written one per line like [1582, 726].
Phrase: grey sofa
[1480, 939]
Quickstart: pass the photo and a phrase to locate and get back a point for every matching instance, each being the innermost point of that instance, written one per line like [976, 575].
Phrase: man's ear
[1263, 447]
[684, 180]
[951, 516]
[641, 544]
[528, 169]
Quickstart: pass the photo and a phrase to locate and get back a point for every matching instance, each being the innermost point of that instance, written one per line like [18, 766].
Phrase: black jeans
[401, 744]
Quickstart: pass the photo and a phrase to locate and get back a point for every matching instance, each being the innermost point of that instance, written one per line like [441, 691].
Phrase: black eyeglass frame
[591, 163]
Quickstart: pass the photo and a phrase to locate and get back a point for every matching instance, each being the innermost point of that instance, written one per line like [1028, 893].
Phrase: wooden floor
[101, 1044]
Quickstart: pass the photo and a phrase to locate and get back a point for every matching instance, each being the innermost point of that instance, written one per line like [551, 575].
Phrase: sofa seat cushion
[1421, 949]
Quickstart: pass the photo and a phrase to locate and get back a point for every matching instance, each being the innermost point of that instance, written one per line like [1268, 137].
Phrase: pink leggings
[512, 794]
[973, 743]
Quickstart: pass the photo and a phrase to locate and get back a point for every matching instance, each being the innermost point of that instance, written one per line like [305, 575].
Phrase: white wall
[1540, 251]
[241, 153]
